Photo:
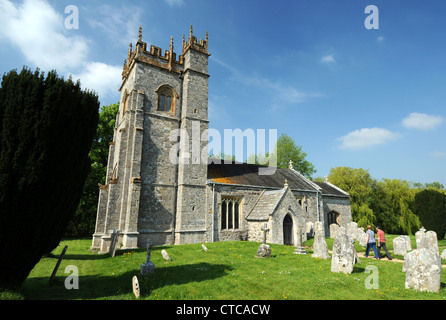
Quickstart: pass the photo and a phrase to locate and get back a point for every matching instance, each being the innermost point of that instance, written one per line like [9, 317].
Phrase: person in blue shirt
[371, 242]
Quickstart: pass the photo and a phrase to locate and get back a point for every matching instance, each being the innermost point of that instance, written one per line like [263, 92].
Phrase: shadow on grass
[106, 287]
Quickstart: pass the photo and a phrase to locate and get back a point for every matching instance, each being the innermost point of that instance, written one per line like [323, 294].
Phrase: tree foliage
[47, 125]
[430, 206]
[286, 149]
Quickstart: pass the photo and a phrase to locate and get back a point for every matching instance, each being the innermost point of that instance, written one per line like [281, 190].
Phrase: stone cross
[265, 230]
[148, 266]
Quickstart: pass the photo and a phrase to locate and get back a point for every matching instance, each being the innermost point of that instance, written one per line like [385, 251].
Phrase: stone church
[149, 196]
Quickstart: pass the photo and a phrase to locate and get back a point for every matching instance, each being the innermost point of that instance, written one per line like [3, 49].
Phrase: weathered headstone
[430, 242]
[344, 254]
[57, 265]
[204, 248]
[408, 242]
[423, 270]
[399, 246]
[299, 248]
[419, 236]
[165, 255]
[263, 251]
[320, 247]
[135, 285]
[113, 242]
[334, 229]
[148, 266]
[443, 254]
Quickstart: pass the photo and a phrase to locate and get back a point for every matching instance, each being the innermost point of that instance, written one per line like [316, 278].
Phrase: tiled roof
[248, 174]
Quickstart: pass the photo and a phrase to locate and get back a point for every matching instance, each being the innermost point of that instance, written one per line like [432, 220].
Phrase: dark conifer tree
[47, 125]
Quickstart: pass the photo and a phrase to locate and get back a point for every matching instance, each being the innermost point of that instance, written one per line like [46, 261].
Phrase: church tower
[156, 178]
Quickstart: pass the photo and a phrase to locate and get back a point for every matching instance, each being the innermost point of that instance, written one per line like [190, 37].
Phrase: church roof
[237, 173]
[331, 190]
[266, 204]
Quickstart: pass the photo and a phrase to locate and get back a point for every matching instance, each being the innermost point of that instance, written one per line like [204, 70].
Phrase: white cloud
[328, 59]
[173, 3]
[38, 30]
[367, 137]
[380, 39]
[422, 121]
[438, 154]
[120, 24]
[285, 92]
[100, 77]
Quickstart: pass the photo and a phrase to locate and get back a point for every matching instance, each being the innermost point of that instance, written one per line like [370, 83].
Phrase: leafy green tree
[47, 125]
[83, 221]
[399, 217]
[359, 184]
[285, 150]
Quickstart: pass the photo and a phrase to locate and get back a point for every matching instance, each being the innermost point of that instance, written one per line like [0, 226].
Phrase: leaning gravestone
[135, 285]
[148, 266]
[423, 270]
[113, 243]
[204, 248]
[165, 255]
[344, 254]
[320, 247]
[399, 246]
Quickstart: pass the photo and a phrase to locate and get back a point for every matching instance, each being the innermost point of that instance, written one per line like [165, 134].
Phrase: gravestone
[408, 243]
[165, 255]
[344, 254]
[443, 254]
[334, 229]
[423, 270]
[430, 242]
[204, 248]
[309, 229]
[419, 236]
[135, 285]
[264, 250]
[320, 247]
[299, 248]
[399, 246]
[427, 240]
[148, 266]
[57, 265]
[113, 242]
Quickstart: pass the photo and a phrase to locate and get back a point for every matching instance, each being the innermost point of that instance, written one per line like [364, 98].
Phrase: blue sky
[350, 96]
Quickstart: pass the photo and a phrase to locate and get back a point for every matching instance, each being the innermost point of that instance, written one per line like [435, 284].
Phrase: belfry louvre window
[166, 99]
[230, 213]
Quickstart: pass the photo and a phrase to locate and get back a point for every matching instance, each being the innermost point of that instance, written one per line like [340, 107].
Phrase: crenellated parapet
[156, 57]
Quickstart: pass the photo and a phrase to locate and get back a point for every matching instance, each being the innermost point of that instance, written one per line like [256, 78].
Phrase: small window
[166, 99]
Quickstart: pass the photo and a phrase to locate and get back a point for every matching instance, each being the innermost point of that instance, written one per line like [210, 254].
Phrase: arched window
[230, 213]
[166, 98]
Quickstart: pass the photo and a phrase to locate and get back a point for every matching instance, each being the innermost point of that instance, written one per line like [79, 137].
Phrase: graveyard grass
[229, 271]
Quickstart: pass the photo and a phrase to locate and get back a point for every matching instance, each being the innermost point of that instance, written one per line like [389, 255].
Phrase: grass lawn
[229, 271]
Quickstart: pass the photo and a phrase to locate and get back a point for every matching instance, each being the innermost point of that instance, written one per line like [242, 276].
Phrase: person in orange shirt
[382, 242]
